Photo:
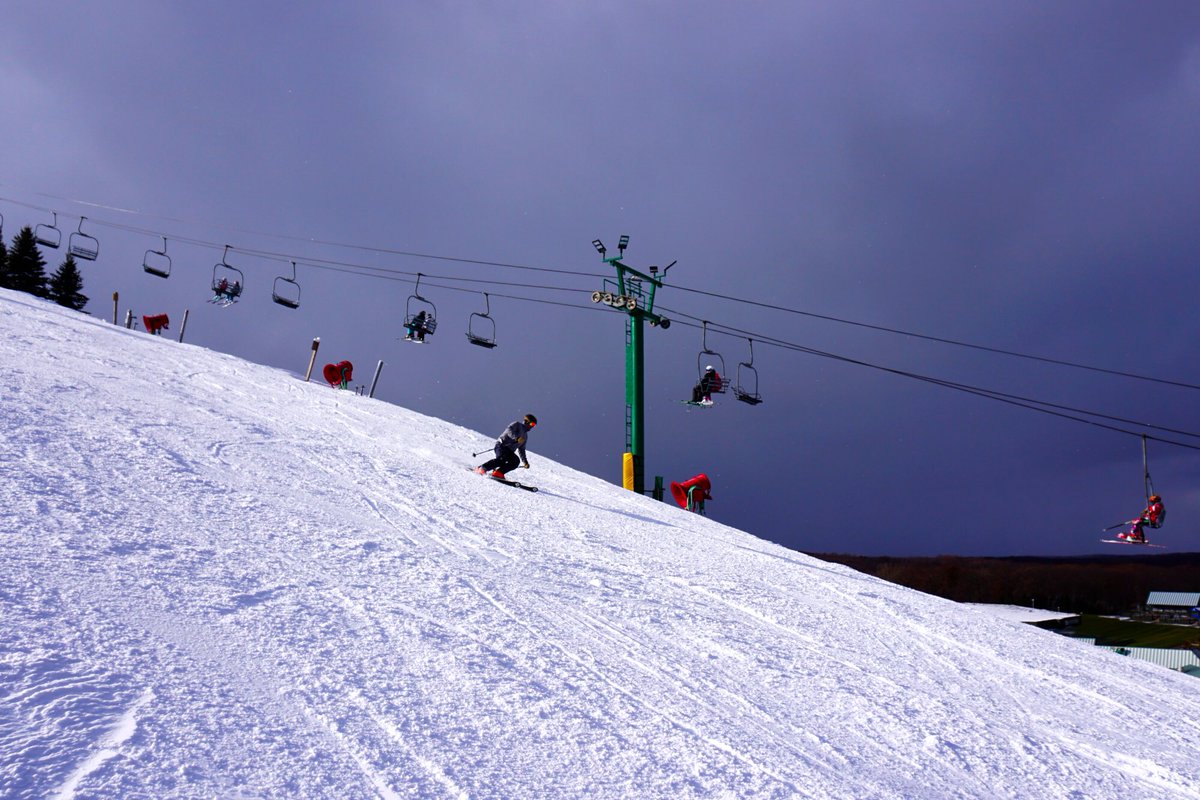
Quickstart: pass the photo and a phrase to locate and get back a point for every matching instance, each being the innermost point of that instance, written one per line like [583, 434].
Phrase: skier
[710, 382]
[1154, 515]
[508, 446]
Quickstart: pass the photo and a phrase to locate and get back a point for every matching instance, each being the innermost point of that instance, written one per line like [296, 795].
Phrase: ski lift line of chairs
[712, 358]
[746, 388]
[286, 291]
[481, 328]
[227, 280]
[419, 313]
[157, 262]
[48, 235]
[82, 245]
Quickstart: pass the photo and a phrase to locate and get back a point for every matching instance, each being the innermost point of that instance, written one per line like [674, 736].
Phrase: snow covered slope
[217, 580]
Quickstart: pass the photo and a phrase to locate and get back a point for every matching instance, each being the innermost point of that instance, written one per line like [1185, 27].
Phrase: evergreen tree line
[23, 269]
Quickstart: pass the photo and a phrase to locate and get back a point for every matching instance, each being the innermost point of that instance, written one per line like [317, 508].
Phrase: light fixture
[599, 245]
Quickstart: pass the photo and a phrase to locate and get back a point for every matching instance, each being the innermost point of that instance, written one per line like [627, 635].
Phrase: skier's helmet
[1155, 498]
[709, 368]
[531, 419]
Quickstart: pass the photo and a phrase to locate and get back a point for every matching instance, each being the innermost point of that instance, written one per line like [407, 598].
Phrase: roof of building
[1164, 657]
[1181, 599]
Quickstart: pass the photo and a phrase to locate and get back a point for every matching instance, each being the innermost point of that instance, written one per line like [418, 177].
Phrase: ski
[507, 482]
[1126, 541]
[701, 404]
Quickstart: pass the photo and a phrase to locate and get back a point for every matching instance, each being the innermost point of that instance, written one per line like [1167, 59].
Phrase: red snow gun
[156, 323]
[697, 486]
[339, 374]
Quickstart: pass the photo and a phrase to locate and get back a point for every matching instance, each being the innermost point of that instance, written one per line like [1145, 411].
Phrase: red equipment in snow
[692, 492]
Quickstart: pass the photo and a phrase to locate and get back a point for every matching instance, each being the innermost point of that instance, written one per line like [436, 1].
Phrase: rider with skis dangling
[1154, 515]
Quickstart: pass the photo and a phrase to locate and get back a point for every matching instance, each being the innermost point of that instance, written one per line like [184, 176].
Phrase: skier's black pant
[506, 460]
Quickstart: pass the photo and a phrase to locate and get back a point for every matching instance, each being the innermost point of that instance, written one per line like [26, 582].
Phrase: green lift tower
[633, 293]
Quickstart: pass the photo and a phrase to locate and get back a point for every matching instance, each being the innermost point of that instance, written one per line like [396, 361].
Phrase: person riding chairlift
[417, 328]
[1154, 515]
[710, 382]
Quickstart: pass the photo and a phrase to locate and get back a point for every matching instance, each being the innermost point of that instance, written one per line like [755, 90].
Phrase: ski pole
[1119, 524]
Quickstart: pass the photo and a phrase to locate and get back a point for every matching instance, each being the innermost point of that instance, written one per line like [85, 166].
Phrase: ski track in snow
[220, 581]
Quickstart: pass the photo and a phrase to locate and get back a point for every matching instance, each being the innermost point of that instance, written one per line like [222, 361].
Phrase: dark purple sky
[1021, 175]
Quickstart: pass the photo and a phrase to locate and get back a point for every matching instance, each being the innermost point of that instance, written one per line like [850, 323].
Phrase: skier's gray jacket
[514, 437]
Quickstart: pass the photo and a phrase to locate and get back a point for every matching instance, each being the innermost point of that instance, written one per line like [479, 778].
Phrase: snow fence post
[116, 297]
[313, 358]
[375, 380]
[183, 327]
[129, 319]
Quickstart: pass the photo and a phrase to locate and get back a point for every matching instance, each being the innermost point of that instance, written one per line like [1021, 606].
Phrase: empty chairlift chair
[83, 246]
[48, 235]
[157, 262]
[481, 328]
[286, 291]
[746, 388]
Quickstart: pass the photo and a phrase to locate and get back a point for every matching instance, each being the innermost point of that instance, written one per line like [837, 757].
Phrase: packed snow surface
[219, 581]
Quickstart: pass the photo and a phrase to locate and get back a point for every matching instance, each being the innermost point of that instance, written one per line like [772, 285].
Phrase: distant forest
[1084, 585]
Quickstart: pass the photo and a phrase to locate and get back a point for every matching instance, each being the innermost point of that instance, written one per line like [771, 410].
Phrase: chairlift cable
[1003, 397]
[509, 265]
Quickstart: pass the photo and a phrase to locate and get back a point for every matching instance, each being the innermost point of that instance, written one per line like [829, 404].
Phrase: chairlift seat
[481, 341]
[47, 236]
[286, 297]
[84, 246]
[746, 388]
[157, 263]
[481, 330]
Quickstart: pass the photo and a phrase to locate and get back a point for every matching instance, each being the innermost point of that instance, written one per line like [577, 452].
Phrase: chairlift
[481, 328]
[746, 388]
[712, 358]
[286, 291]
[420, 315]
[227, 281]
[83, 246]
[157, 262]
[48, 235]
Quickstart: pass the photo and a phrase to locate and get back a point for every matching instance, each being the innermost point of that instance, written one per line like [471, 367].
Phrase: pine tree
[3, 264]
[26, 268]
[65, 285]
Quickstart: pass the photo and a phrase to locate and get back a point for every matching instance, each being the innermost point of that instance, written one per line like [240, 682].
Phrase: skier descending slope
[510, 444]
